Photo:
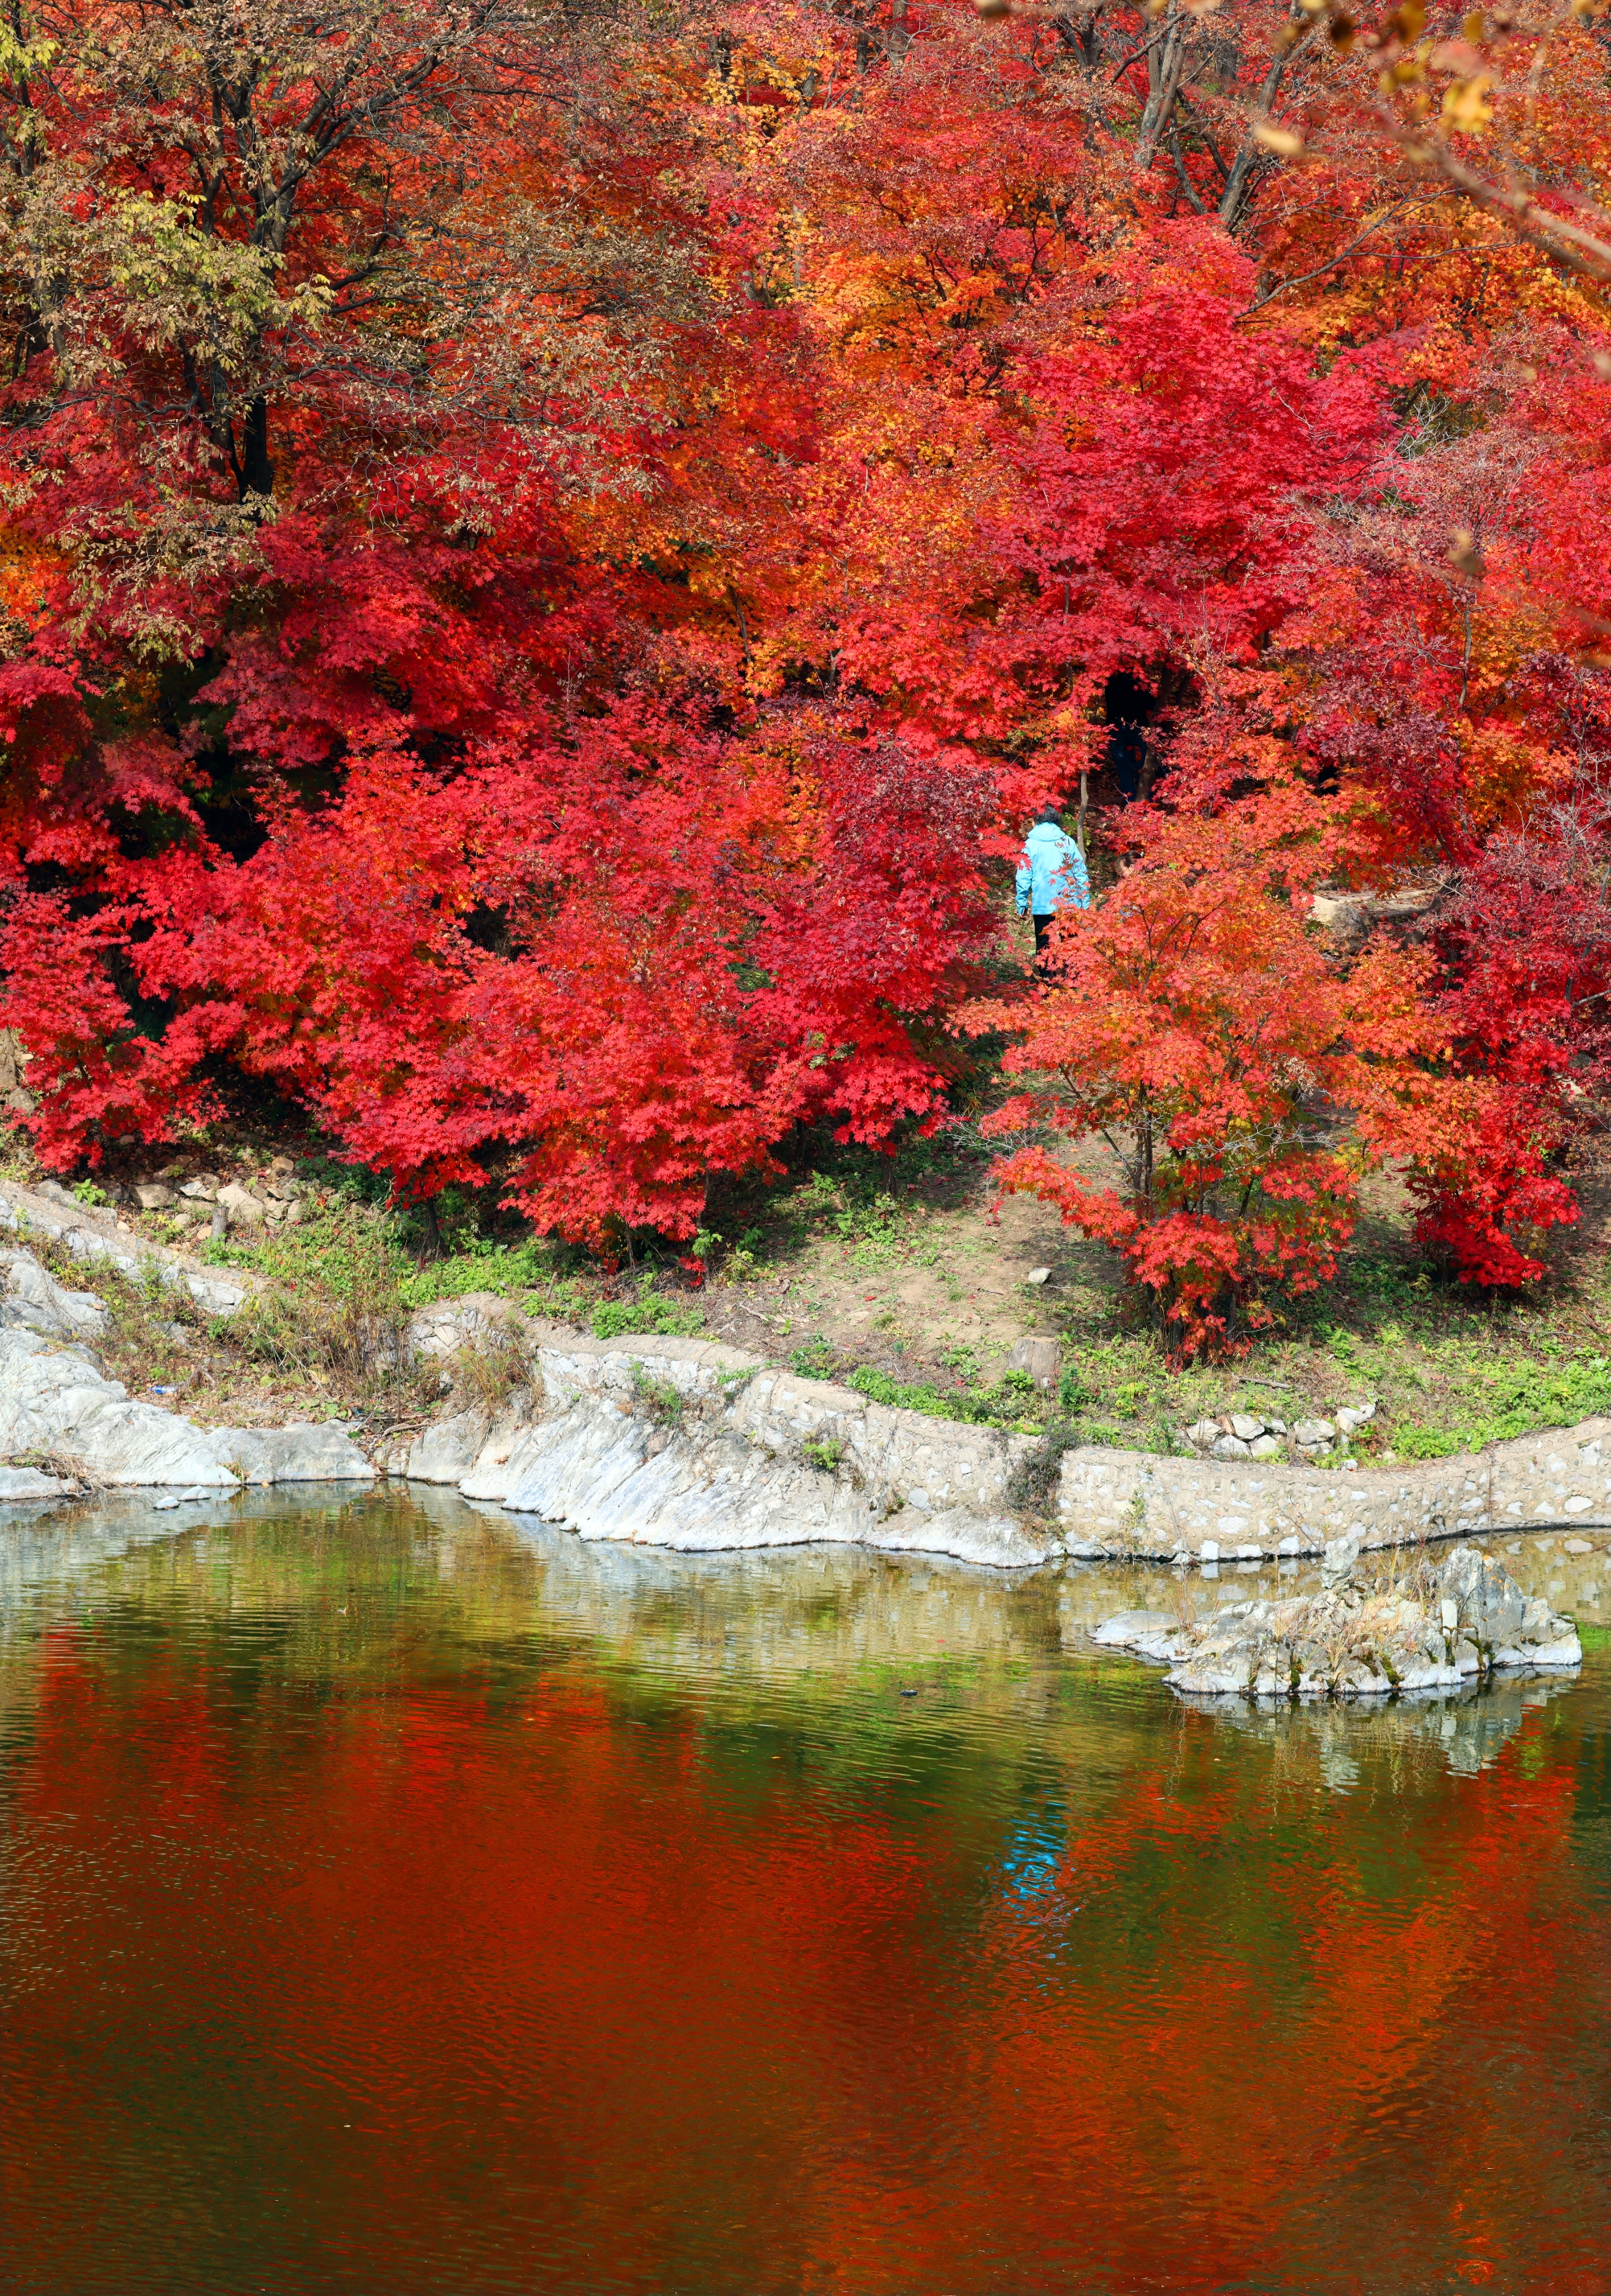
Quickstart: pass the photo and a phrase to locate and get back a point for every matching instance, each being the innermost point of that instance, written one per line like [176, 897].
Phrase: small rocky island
[1440, 1622]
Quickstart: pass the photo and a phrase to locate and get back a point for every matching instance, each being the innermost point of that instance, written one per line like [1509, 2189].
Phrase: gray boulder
[90, 1235]
[1149, 1634]
[33, 1300]
[54, 1401]
[1338, 1561]
[446, 1325]
[298, 1454]
[21, 1483]
[445, 1451]
[241, 1208]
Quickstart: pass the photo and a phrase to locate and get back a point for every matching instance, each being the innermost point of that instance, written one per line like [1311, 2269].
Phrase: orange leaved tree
[1197, 1024]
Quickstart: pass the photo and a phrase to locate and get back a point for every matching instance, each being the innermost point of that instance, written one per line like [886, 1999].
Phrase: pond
[397, 1900]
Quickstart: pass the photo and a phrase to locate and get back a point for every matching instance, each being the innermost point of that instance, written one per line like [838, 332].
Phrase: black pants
[1042, 926]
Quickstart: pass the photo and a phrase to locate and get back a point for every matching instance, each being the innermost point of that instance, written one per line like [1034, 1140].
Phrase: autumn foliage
[547, 559]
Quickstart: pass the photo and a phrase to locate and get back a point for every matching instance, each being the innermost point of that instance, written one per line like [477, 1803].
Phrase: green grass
[614, 1319]
[1011, 1402]
[1512, 1398]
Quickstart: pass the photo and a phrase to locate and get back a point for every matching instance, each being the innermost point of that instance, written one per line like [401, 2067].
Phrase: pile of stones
[207, 1203]
[1239, 1435]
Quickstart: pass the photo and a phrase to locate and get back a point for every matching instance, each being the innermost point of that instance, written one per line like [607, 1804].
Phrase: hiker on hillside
[1051, 876]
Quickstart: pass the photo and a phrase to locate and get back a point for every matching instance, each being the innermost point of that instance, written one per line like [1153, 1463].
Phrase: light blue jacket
[1052, 875]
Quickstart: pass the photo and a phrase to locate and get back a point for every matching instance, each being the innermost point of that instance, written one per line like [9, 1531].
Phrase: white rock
[54, 1400]
[92, 1238]
[734, 1472]
[445, 1451]
[1348, 1643]
[1038, 1275]
[299, 1454]
[1232, 1447]
[1310, 1432]
[1205, 1431]
[1246, 1427]
[19, 1483]
[1267, 1447]
[33, 1298]
[153, 1195]
[1151, 1633]
[1338, 1559]
[446, 1325]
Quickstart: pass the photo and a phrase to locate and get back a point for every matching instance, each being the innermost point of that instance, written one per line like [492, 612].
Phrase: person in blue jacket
[1051, 876]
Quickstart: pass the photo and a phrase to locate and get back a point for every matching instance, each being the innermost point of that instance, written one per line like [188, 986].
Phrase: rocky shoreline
[695, 1447]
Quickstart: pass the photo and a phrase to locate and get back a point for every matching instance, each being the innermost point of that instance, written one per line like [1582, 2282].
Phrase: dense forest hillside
[550, 556]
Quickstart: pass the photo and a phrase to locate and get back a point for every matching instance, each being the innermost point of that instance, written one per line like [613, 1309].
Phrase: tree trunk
[256, 470]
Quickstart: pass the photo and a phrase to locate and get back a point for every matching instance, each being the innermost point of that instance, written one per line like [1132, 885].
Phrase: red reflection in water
[407, 1987]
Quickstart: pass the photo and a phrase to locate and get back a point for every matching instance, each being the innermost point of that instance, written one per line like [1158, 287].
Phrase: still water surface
[395, 1902]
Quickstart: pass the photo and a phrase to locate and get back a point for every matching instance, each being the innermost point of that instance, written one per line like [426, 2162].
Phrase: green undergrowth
[1512, 1400]
[877, 1207]
[1009, 1403]
[647, 1310]
[1450, 1369]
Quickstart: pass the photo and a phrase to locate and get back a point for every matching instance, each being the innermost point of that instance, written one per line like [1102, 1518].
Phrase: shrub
[813, 1360]
[1032, 1483]
[658, 1398]
[824, 1455]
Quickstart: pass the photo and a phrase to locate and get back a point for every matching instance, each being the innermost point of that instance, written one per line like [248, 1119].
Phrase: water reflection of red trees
[621, 1996]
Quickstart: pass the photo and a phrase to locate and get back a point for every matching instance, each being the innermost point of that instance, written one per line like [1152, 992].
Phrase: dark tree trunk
[257, 468]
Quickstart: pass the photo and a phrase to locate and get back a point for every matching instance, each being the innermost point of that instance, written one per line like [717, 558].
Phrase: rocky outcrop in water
[1440, 1625]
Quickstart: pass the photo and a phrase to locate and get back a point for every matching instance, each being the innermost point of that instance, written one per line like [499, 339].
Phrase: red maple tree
[545, 566]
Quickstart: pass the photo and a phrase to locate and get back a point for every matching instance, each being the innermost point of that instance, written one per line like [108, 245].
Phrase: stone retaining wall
[1125, 1503]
